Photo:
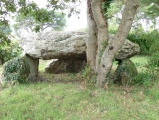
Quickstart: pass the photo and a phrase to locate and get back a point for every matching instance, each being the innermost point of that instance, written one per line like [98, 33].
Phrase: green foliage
[142, 38]
[106, 6]
[150, 8]
[147, 74]
[154, 50]
[145, 77]
[9, 50]
[4, 33]
[111, 7]
[40, 20]
[148, 11]
[16, 69]
[154, 59]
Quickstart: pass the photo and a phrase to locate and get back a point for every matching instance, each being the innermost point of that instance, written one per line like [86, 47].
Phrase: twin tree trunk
[101, 63]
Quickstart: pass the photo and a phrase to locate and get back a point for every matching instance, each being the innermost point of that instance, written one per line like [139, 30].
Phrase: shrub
[154, 50]
[16, 69]
[147, 76]
[142, 38]
[9, 51]
[142, 78]
[154, 59]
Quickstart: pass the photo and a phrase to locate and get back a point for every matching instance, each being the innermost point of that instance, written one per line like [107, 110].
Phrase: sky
[73, 23]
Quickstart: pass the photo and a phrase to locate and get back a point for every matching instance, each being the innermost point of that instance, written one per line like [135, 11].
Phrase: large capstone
[67, 45]
[55, 45]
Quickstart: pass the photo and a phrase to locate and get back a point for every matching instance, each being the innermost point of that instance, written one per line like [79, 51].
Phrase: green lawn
[69, 100]
[140, 60]
[59, 101]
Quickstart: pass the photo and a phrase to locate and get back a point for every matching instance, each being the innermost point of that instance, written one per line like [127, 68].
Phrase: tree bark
[91, 43]
[118, 40]
[102, 26]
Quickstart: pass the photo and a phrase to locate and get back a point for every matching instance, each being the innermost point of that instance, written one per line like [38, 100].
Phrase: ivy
[16, 69]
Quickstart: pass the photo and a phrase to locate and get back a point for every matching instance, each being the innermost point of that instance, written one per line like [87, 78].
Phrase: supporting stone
[34, 67]
[65, 66]
[125, 72]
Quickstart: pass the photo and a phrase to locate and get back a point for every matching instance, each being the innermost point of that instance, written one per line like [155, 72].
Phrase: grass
[69, 101]
[42, 64]
[140, 62]
[62, 99]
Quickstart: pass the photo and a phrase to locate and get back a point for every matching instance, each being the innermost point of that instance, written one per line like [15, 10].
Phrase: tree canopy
[28, 15]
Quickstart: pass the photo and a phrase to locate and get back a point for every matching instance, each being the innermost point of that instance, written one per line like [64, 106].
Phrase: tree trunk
[102, 26]
[91, 43]
[118, 40]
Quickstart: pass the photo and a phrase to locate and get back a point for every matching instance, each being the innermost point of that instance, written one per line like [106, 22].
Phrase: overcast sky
[73, 23]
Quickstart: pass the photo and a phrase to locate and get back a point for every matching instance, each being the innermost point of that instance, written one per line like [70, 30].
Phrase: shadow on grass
[60, 78]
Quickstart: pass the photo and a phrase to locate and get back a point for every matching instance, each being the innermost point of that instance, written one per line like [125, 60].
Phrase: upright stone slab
[34, 67]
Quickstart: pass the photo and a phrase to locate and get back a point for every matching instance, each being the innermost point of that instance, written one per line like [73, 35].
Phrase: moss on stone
[125, 72]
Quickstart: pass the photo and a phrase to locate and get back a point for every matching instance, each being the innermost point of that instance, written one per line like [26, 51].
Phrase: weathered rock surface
[64, 66]
[67, 45]
[55, 45]
[125, 72]
[128, 50]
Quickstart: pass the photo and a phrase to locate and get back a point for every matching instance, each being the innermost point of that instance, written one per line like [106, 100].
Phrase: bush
[142, 38]
[154, 50]
[9, 51]
[147, 76]
[154, 59]
[16, 69]
[143, 78]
